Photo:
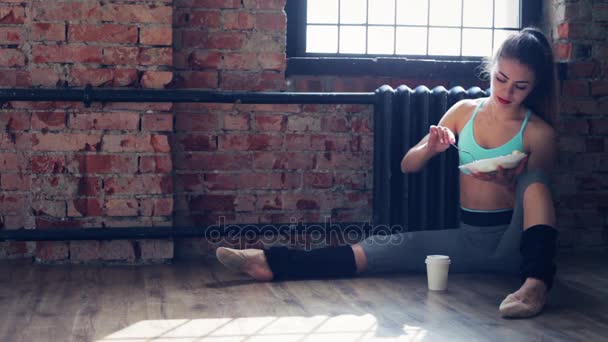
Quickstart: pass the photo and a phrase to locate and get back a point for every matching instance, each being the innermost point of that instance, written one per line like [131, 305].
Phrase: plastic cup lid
[438, 258]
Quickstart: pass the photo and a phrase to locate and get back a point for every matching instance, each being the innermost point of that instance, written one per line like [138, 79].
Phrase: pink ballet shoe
[248, 261]
[513, 307]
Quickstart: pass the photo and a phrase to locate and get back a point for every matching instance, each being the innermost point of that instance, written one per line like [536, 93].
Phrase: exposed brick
[563, 51]
[239, 122]
[583, 69]
[12, 15]
[100, 163]
[198, 79]
[84, 251]
[343, 161]
[49, 208]
[252, 142]
[264, 81]
[66, 11]
[11, 203]
[140, 184]
[575, 88]
[265, 4]
[272, 60]
[204, 59]
[213, 202]
[104, 77]
[11, 35]
[15, 181]
[572, 30]
[120, 55]
[89, 186]
[48, 164]
[157, 207]
[156, 56]
[573, 126]
[198, 142]
[335, 123]
[225, 40]
[330, 142]
[572, 12]
[136, 143]
[240, 61]
[66, 54]
[196, 122]
[44, 77]
[48, 120]
[107, 33]
[198, 18]
[271, 22]
[121, 207]
[66, 142]
[105, 121]
[219, 4]
[319, 180]
[157, 122]
[156, 79]
[155, 164]
[213, 161]
[51, 251]
[270, 122]
[134, 13]
[156, 36]
[156, 249]
[599, 88]
[270, 181]
[117, 250]
[11, 58]
[238, 21]
[12, 78]
[284, 160]
[14, 121]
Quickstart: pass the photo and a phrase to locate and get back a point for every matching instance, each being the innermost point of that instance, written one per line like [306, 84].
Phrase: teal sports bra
[466, 141]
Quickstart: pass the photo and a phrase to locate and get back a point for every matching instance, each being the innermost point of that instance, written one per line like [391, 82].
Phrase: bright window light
[468, 28]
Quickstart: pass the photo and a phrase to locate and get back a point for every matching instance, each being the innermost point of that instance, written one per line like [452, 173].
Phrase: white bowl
[491, 164]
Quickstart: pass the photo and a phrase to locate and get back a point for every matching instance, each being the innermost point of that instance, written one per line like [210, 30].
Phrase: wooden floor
[197, 300]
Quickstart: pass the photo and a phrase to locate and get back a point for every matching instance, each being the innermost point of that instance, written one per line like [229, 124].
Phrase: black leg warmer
[327, 262]
[538, 245]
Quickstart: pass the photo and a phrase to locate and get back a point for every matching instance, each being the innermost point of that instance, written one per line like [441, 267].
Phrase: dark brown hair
[530, 47]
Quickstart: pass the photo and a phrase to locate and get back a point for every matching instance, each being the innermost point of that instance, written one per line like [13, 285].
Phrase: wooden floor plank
[198, 300]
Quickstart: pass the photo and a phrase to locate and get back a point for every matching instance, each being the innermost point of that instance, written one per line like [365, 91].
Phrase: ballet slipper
[249, 261]
[514, 307]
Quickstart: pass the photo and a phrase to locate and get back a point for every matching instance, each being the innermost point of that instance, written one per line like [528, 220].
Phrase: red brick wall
[259, 163]
[580, 32]
[64, 165]
[116, 165]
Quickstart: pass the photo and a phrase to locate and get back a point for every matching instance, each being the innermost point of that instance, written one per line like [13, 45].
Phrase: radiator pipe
[88, 95]
[212, 231]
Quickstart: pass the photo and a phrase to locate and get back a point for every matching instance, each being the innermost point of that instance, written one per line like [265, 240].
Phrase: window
[453, 30]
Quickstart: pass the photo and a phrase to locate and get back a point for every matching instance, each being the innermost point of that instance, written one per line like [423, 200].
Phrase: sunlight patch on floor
[342, 328]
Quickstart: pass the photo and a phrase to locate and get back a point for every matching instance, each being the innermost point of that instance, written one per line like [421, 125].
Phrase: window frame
[301, 63]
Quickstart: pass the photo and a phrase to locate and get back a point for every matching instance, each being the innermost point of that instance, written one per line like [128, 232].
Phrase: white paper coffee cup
[437, 267]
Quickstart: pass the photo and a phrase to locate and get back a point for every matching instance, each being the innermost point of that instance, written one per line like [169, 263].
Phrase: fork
[467, 152]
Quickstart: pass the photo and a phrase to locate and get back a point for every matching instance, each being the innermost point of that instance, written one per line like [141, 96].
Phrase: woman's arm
[543, 147]
[436, 141]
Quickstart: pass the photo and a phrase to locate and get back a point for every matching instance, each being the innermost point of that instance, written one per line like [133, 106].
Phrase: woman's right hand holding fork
[440, 139]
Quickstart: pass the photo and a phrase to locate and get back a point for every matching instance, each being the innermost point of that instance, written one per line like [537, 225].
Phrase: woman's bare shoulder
[461, 111]
[539, 131]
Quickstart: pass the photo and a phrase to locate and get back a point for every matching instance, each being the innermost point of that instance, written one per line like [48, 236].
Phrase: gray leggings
[471, 248]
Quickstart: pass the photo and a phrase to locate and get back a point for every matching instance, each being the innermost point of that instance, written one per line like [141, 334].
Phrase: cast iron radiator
[426, 200]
